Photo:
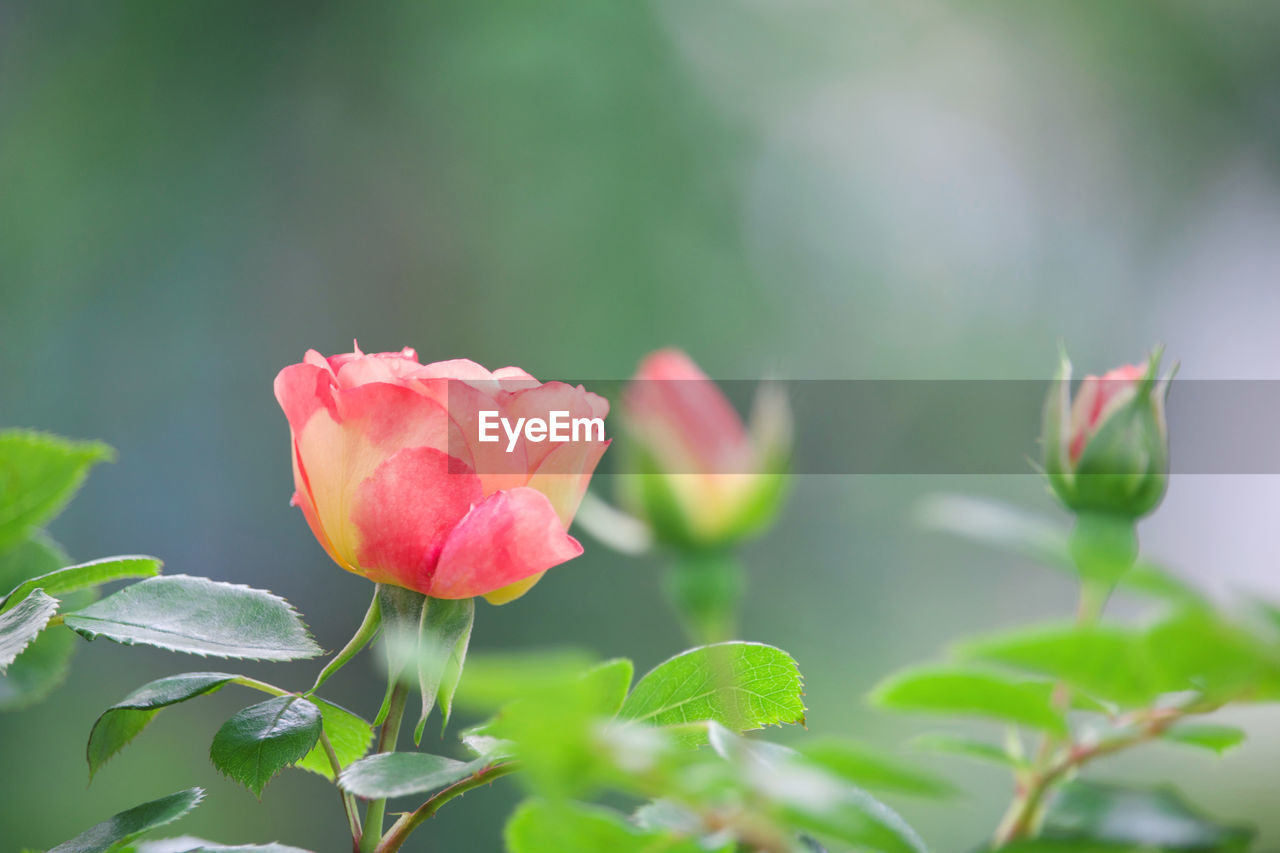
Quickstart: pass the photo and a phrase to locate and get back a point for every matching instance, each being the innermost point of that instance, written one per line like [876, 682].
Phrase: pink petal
[404, 513]
[511, 536]
[302, 389]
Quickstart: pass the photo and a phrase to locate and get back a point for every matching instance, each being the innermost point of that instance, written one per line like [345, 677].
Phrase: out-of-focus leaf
[190, 844]
[348, 734]
[998, 525]
[1215, 738]
[398, 774]
[83, 576]
[36, 555]
[739, 685]
[493, 679]
[809, 797]
[541, 826]
[964, 746]
[38, 475]
[969, 692]
[131, 823]
[1107, 662]
[122, 722]
[19, 626]
[198, 616]
[260, 741]
[1155, 818]
[872, 769]
[1196, 649]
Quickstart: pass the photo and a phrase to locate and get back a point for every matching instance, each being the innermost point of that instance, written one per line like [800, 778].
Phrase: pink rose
[397, 487]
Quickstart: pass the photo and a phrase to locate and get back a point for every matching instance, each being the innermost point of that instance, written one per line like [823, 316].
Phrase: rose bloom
[397, 488]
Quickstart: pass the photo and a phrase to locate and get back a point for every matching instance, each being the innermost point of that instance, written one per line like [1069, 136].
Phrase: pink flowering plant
[444, 483]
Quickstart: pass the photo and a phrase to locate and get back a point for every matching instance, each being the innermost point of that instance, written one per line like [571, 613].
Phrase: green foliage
[541, 826]
[39, 473]
[258, 742]
[964, 691]
[129, 824]
[978, 750]
[45, 662]
[349, 734]
[1152, 818]
[870, 768]
[188, 844]
[84, 576]
[198, 616]
[740, 685]
[126, 719]
[397, 774]
[19, 626]
[1215, 738]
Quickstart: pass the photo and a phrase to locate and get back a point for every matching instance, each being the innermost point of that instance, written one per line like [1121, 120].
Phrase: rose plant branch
[409, 821]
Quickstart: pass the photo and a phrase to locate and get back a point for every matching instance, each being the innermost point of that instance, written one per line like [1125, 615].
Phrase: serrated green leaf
[131, 823]
[969, 692]
[1147, 817]
[21, 625]
[45, 662]
[84, 576]
[123, 721]
[349, 735]
[398, 774]
[39, 473]
[1215, 738]
[1107, 662]
[198, 616]
[739, 685]
[443, 636]
[260, 741]
[541, 826]
[873, 769]
[967, 747]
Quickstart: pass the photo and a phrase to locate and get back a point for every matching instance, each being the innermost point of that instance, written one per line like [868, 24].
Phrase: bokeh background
[192, 194]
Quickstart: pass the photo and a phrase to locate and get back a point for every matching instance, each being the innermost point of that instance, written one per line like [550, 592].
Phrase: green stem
[412, 820]
[366, 632]
[705, 587]
[386, 743]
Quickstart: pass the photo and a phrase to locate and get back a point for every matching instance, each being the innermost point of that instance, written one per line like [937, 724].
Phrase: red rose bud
[698, 475]
[1107, 451]
[399, 487]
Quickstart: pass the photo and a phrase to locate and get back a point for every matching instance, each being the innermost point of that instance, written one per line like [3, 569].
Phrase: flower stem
[386, 743]
[366, 632]
[412, 820]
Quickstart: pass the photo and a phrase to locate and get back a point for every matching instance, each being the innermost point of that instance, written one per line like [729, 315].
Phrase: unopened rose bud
[699, 476]
[1107, 452]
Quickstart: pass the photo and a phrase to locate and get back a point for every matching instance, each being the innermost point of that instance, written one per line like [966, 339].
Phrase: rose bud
[698, 476]
[396, 486]
[1107, 451]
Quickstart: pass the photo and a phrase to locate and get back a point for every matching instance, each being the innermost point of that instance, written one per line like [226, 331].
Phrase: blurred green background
[192, 194]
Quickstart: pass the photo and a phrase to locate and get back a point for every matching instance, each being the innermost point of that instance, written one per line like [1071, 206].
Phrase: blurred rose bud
[1107, 451]
[395, 485]
[698, 476]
